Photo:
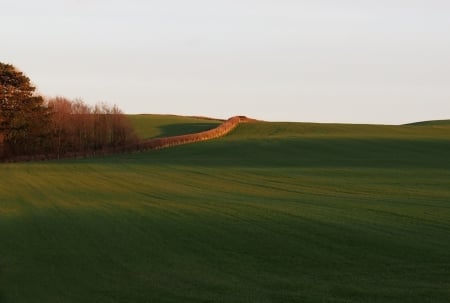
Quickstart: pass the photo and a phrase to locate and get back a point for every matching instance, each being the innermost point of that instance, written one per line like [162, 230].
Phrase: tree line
[32, 126]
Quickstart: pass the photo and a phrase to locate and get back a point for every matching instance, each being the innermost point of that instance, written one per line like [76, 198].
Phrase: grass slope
[153, 126]
[432, 122]
[274, 212]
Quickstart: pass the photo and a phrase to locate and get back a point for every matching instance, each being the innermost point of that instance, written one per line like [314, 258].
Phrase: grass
[154, 126]
[432, 123]
[274, 212]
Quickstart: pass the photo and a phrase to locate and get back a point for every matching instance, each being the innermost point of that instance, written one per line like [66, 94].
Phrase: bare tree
[80, 128]
[31, 126]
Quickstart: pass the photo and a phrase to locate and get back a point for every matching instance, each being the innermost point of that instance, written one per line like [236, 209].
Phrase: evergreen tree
[24, 120]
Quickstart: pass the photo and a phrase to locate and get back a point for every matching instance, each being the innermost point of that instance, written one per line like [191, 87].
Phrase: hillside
[432, 123]
[155, 126]
[327, 145]
[273, 212]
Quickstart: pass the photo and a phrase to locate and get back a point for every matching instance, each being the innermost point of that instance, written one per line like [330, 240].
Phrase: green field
[273, 212]
[154, 126]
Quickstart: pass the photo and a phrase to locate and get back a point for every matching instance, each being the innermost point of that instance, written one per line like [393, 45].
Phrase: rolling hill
[273, 212]
[156, 126]
[432, 123]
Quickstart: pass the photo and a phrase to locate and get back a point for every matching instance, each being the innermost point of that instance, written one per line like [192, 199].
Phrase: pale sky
[357, 61]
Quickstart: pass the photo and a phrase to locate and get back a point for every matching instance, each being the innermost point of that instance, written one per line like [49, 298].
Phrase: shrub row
[219, 131]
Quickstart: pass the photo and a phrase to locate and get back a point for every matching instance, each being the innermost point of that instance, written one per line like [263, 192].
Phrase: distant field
[273, 212]
[433, 123]
[152, 126]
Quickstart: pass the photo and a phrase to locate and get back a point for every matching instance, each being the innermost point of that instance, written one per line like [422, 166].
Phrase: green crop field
[273, 212]
[153, 126]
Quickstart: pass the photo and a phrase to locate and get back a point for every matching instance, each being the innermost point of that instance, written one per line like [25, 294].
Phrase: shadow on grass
[184, 128]
[381, 153]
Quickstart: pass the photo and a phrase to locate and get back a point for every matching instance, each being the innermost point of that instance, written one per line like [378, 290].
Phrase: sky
[345, 61]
